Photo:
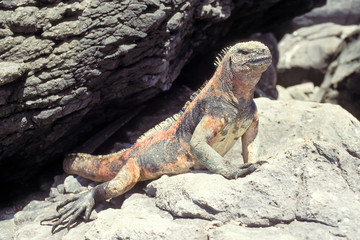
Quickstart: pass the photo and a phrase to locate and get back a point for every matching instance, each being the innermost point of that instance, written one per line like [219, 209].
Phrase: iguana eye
[243, 52]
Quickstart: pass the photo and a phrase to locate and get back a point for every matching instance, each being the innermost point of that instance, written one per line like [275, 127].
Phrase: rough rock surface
[309, 189]
[327, 55]
[66, 61]
[303, 91]
[341, 83]
[344, 12]
[306, 54]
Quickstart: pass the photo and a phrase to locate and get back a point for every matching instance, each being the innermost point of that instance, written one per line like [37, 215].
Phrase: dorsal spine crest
[220, 56]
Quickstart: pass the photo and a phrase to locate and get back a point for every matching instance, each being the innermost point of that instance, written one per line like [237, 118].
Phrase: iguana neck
[236, 88]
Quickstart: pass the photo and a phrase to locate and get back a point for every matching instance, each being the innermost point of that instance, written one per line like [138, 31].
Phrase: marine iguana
[197, 137]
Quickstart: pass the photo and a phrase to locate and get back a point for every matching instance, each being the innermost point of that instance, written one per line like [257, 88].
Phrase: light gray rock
[31, 212]
[306, 53]
[326, 55]
[139, 218]
[72, 185]
[303, 91]
[344, 12]
[346, 63]
[340, 84]
[7, 229]
[193, 196]
[285, 123]
[314, 230]
[9, 72]
[283, 95]
[294, 230]
[234, 230]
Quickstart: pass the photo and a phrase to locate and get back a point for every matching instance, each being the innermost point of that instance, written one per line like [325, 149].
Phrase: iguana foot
[246, 169]
[80, 203]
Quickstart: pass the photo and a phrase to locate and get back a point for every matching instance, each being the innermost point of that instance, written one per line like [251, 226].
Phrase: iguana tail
[98, 168]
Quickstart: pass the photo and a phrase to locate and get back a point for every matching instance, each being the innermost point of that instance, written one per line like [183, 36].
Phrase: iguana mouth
[260, 59]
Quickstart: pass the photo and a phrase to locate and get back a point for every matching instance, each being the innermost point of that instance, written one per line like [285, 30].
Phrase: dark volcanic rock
[74, 66]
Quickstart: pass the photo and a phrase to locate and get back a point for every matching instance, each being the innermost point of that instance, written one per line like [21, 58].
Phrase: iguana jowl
[196, 138]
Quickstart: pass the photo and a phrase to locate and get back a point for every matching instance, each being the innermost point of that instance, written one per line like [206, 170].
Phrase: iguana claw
[248, 168]
[80, 203]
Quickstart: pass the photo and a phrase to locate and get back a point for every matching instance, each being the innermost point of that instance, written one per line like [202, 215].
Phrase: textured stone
[303, 91]
[306, 53]
[342, 77]
[138, 218]
[72, 185]
[234, 231]
[344, 12]
[295, 230]
[304, 120]
[328, 56]
[10, 71]
[193, 196]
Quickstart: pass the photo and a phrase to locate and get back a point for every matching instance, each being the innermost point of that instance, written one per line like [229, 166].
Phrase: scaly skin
[221, 113]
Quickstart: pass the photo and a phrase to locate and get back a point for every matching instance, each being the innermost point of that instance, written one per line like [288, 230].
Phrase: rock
[306, 53]
[283, 94]
[309, 189]
[28, 213]
[85, 59]
[341, 83]
[235, 231]
[345, 63]
[290, 122]
[303, 91]
[9, 72]
[7, 229]
[295, 230]
[140, 219]
[212, 197]
[71, 185]
[344, 12]
[326, 55]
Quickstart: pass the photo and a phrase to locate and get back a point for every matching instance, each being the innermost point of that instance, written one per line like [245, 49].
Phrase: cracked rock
[306, 53]
[10, 71]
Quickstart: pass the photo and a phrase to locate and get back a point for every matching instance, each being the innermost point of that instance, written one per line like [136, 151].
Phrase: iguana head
[246, 60]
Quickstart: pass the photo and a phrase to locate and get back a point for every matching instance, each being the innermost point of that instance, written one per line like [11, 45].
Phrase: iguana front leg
[201, 140]
[250, 142]
[74, 206]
